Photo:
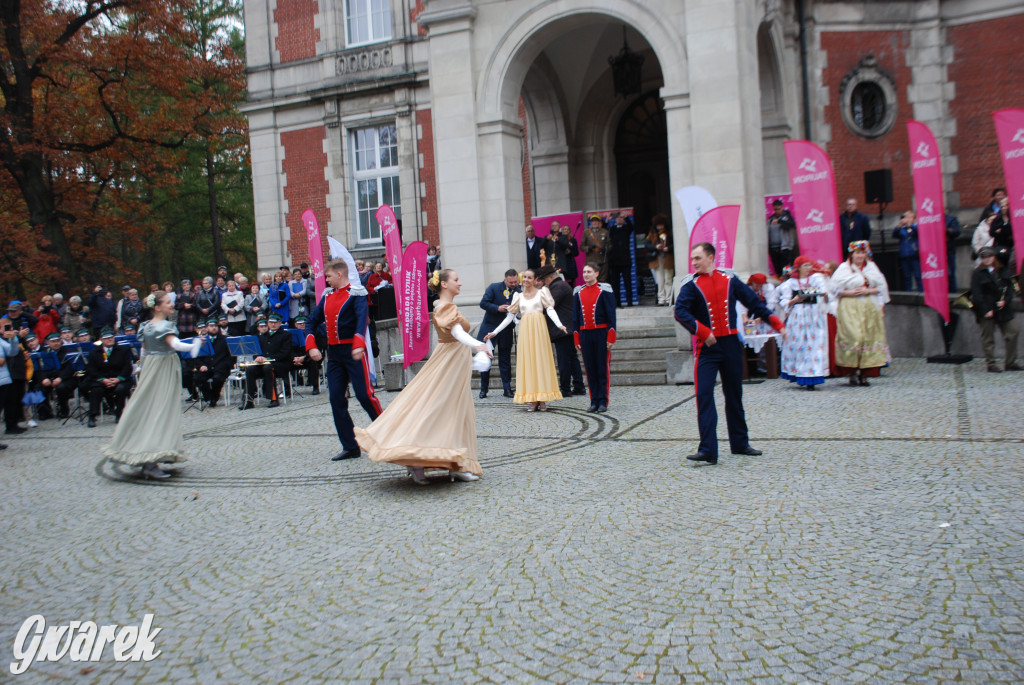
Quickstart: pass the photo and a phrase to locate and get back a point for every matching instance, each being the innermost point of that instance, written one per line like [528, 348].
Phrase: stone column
[452, 79]
[727, 159]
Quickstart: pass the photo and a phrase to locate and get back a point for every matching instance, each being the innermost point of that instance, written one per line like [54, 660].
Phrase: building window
[367, 21]
[867, 98]
[375, 152]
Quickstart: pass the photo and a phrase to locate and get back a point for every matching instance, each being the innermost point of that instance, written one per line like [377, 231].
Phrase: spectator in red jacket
[49, 318]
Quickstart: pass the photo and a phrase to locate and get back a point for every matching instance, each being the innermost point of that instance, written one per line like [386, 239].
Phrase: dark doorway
[641, 154]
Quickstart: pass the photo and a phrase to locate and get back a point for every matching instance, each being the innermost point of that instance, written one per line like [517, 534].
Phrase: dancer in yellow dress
[409, 435]
[536, 383]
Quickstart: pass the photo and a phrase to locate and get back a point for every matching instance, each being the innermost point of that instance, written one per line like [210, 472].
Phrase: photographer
[14, 370]
[103, 310]
[48, 316]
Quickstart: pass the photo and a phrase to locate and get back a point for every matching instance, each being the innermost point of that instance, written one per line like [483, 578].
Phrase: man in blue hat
[108, 371]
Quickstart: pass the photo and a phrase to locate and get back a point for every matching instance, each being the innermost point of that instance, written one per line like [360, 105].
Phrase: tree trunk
[211, 185]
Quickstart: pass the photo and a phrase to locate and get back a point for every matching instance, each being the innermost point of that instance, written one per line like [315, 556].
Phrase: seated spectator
[57, 380]
[304, 362]
[274, 362]
[212, 370]
[108, 371]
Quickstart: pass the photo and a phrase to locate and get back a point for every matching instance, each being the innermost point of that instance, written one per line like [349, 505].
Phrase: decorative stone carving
[365, 59]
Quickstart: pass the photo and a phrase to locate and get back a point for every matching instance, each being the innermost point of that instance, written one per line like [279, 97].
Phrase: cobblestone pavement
[879, 539]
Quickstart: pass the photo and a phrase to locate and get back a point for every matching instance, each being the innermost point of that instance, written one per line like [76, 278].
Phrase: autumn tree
[99, 98]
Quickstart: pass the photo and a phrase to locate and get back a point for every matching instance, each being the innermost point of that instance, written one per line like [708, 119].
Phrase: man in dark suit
[533, 248]
[276, 346]
[108, 373]
[495, 302]
[212, 370]
[853, 225]
[570, 375]
[56, 379]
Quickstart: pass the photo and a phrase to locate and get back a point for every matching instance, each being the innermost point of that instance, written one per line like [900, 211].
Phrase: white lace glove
[460, 334]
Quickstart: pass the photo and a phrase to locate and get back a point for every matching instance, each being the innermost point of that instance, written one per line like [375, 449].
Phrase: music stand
[75, 355]
[244, 346]
[205, 350]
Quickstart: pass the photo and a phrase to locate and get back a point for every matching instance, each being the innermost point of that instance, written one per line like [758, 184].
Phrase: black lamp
[626, 69]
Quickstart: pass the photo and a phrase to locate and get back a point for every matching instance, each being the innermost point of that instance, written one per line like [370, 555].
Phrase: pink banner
[718, 227]
[413, 312]
[931, 216]
[1010, 132]
[814, 201]
[544, 225]
[316, 251]
[392, 247]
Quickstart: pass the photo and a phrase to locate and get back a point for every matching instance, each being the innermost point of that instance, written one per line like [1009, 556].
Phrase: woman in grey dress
[150, 427]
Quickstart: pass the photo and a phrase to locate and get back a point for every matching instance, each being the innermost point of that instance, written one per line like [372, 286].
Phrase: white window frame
[367, 169]
[374, 17]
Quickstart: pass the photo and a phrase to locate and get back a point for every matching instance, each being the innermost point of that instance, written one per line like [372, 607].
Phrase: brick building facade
[471, 116]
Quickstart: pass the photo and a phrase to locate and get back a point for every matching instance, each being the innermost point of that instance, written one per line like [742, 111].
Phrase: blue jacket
[907, 236]
[102, 310]
[493, 298]
[278, 297]
[854, 228]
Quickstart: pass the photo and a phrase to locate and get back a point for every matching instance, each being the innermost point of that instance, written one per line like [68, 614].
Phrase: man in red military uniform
[344, 313]
[593, 319]
[706, 308]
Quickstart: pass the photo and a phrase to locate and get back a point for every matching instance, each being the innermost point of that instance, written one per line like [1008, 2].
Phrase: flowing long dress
[860, 331]
[535, 364]
[432, 422]
[805, 353]
[150, 426]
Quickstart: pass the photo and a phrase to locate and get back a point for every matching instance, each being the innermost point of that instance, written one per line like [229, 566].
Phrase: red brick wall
[527, 195]
[428, 176]
[414, 14]
[296, 37]
[852, 155]
[989, 74]
[305, 188]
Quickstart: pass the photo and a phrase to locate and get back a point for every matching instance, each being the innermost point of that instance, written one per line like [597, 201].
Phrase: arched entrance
[641, 155]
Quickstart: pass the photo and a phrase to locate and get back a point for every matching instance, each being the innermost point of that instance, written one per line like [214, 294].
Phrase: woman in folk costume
[803, 298]
[149, 431]
[861, 290]
[406, 433]
[536, 383]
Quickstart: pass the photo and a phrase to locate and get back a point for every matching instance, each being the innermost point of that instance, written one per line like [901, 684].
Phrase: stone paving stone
[879, 539]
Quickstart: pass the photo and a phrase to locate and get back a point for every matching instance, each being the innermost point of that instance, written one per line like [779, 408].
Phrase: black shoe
[483, 394]
[508, 393]
[192, 398]
[592, 408]
[809, 387]
[63, 414]
[273, 404]
[749, 451]
[3, 446]
[91, 423]
[213, 403]
[703, 457]
[347, 454]
[579, 391]
[1014, 367]
[316, 391]
[602, 408]
[247, 405]
[992, 368]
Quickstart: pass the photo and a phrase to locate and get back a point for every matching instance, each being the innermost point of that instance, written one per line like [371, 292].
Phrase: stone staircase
[645, 335]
